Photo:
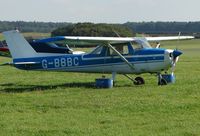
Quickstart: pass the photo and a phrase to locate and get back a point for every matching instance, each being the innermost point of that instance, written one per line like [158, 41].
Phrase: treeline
[90, 29]
[164, 27]
[138, 27]
[43, 27]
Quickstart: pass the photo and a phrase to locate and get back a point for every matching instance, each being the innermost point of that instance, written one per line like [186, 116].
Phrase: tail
[18, 46]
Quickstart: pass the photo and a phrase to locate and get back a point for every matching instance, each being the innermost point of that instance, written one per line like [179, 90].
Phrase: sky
[99, 11]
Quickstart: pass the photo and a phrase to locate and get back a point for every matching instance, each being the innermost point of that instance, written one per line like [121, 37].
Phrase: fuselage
[144, 61]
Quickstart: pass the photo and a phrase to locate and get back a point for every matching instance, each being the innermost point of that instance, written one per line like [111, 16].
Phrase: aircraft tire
[162, 82]
[139, 81]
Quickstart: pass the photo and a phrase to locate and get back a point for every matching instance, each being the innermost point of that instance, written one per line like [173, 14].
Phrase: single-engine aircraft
[114, 55]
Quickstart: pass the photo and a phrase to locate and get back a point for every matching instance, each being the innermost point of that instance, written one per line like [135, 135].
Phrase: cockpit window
[122, 49]
[137, 46]
[97, 50]
[141, 43]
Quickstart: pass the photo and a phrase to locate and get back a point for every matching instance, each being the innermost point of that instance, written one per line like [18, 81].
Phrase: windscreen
[141, 43]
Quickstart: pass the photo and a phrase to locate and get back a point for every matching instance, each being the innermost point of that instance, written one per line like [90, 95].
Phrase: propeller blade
[176, 60]
[176, 54]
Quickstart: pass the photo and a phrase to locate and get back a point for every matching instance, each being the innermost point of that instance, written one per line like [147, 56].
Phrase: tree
[90, 29]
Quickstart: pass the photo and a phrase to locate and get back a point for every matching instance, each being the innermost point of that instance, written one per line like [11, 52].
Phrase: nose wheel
[161, 80]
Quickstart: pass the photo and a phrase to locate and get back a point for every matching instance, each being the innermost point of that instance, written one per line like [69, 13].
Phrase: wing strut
[122, 57]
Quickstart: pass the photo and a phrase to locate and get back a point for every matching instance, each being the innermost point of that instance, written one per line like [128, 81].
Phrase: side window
[136, 46]
[123, 49]
[97, 50]
[126, 50]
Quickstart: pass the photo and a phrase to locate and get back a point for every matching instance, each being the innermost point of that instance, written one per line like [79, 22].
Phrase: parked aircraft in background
[4, 49]
[114, 55]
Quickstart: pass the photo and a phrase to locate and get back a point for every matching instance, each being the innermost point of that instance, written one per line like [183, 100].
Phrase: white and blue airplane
[114, 55]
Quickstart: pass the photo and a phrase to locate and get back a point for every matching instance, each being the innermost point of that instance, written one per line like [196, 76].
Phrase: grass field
[57, 103]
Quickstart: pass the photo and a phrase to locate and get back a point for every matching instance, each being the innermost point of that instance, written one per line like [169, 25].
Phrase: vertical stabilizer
[18, 46]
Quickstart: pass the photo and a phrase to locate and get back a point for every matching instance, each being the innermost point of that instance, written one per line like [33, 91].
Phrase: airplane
[116, 55]
[4, 49]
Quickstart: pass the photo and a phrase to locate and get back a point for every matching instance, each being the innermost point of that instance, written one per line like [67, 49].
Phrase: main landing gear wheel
[162, 82]
[139, 81]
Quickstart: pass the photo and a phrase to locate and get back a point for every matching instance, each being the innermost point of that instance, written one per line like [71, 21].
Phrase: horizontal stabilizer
[26, 63]
[19, 63]
[7, 64]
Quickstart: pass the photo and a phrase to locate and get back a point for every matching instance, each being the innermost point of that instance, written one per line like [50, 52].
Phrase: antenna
[178, 42]
[116, 33]
[179, 34]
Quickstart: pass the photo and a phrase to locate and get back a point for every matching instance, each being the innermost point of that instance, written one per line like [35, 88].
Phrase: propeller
[175, 54]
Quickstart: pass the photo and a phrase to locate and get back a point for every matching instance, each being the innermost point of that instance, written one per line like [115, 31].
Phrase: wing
[76, 40]
[79, 40]
[168, 38]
